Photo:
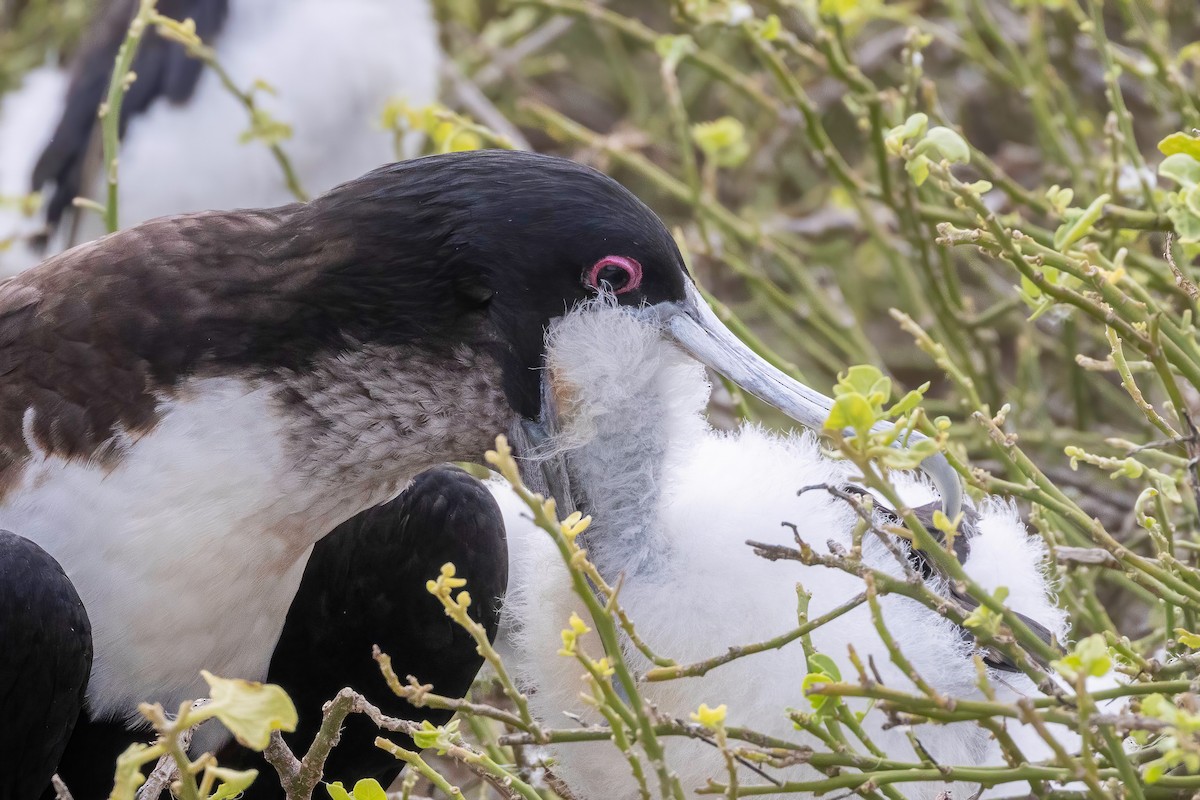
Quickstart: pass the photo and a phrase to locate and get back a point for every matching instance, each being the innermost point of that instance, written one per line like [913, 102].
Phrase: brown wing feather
[91, 338]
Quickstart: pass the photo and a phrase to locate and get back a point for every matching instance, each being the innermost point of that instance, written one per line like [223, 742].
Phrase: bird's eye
[617, 274]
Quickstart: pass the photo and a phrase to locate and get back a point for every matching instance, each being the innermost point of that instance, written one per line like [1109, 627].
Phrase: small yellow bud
[445, 582]
[448, 580]
[710, 717]
[502, 459]
[574, 525]
[502, 449]
[570, 635]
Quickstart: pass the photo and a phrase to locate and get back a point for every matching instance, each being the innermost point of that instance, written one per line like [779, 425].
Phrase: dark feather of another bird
[45, 657]
[163, 69]
[927, 568]
[364, 586]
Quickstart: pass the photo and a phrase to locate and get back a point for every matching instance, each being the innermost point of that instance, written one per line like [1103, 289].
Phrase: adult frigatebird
[190, 404]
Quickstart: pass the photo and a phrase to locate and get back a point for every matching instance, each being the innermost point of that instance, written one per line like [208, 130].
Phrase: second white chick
[331, 69]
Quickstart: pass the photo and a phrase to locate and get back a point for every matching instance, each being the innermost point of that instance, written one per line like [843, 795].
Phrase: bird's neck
[376, 415]
[622, 471]
[620, 475]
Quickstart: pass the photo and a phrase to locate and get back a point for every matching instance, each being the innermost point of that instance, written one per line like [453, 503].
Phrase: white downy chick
[674, 502]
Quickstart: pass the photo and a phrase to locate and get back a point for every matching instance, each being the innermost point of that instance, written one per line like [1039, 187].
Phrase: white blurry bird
[674, 502]
[332, 68]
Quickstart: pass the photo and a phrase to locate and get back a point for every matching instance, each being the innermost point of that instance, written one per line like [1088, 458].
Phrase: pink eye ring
[618, 274]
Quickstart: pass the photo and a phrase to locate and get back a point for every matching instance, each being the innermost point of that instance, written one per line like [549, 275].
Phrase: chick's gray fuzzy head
[612, 373]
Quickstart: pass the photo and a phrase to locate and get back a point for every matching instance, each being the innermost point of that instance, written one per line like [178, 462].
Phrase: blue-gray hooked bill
[693, 325]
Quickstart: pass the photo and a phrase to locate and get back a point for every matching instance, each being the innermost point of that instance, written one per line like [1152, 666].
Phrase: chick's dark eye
[617, 274]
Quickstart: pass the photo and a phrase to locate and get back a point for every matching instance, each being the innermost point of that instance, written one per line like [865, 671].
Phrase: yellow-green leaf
[1180, 143]
[864, 379]
[673, 49]
[250, 710]
[1060, 198]
[710, 717]
[369, 789]
[233, 782]
[913, 127]
[435, 736]
[129, 775]
[946, 144]
[851, 411]
[1191, 199]
[1090, 657]
[426, 737]
[1187, 639]
[1181, 168]
[822, 705]
[770, 29]
[918, 169]
[838, 7]
[1189, 52]
[983, 618]
[1187, 224]
[822, 664]
[723, 141]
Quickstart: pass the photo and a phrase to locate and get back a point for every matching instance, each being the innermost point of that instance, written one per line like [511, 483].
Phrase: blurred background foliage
[1019, 228]
[33, 31]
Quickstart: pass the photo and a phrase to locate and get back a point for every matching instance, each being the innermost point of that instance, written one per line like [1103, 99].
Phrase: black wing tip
[164, 70]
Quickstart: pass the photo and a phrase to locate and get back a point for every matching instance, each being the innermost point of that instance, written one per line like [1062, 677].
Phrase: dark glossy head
[489, 246]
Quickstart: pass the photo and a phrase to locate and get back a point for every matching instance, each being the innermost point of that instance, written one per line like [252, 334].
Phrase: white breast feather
[184, 554]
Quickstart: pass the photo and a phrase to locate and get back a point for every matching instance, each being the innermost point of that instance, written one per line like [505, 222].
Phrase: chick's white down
[332, 69]
[674, 502]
